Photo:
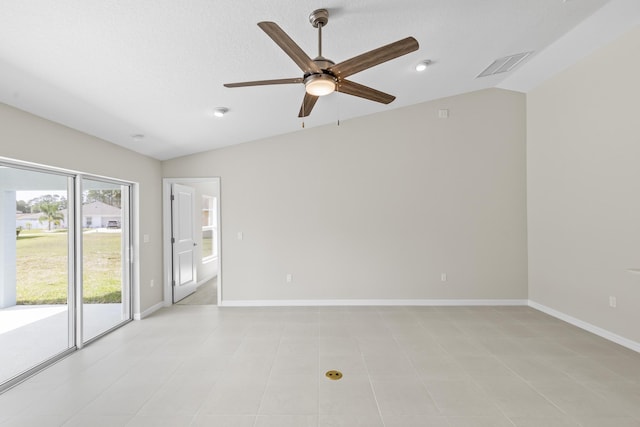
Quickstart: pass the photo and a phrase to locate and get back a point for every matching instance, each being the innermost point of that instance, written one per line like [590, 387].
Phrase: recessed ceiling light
[137, 137]
[423, 65]
[220, 111]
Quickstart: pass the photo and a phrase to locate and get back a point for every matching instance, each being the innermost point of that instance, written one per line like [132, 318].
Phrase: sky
[29, 195]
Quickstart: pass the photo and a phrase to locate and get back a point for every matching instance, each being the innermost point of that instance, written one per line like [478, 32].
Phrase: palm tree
[51, 213]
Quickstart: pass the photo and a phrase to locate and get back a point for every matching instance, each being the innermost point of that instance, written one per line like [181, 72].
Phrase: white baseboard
[625, 342]
[635, 346]
[373, 302]
[148, 311]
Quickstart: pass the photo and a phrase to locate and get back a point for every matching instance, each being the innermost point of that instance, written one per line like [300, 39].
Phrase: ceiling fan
[321, 75]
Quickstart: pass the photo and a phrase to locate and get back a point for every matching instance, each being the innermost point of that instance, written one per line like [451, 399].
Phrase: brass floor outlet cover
[334, 375]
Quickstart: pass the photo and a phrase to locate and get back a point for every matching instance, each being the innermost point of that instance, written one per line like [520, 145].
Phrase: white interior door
[183, 241]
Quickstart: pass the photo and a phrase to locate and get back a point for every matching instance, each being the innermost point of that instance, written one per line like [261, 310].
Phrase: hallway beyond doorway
[206, 294]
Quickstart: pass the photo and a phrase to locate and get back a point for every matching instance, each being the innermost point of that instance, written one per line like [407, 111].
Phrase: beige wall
[29, 138]
[378, 207]
[583, 161]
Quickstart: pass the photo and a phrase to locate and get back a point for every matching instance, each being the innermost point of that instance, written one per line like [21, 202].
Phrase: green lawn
[207, 246]
[42, 266]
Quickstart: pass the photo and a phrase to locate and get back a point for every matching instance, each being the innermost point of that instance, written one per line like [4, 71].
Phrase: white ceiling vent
[505, 64]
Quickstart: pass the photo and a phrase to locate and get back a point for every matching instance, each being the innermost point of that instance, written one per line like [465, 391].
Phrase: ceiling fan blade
[290, 47]
[307, 105]
[356, 89]
[265, 82]
[374, 57]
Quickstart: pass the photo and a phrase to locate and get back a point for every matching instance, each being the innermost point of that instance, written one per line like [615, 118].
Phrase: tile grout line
[420, 325]
[266, 386]
[525, 381]
[196, 414]
[373, 391]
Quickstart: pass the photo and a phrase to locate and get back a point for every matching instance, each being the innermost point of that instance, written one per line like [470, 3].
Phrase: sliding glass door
[36, 261]
[105, 255]
[65, 274]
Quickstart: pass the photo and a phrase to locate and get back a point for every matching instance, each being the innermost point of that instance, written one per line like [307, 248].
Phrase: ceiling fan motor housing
[323, 62]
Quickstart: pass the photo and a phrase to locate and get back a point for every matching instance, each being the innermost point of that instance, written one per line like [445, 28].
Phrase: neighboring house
[31, 221]
[94, 215]
[99, 215]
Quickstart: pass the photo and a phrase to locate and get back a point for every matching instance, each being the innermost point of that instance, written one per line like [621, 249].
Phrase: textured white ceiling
[156, 67]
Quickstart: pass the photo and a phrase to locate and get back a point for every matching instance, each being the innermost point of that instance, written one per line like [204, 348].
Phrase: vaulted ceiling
[148, 74]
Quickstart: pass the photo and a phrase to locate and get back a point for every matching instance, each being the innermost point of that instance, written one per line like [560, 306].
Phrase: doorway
[191, 241]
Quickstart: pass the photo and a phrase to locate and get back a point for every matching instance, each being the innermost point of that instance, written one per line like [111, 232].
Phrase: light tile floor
[403, 367]
[31, 334]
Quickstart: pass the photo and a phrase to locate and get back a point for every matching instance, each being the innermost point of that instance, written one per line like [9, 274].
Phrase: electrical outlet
[613, 302]
[289, 278]
[443, 277]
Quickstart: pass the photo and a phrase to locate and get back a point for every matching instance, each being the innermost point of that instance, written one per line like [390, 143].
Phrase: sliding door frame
[75, 258]
[71, 262]
[126, 248]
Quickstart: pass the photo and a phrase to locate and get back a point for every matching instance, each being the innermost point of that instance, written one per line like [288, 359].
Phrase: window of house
[209, 228]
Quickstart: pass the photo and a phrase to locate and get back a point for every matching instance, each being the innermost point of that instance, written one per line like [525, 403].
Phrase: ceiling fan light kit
[320, 84]
[321, 76]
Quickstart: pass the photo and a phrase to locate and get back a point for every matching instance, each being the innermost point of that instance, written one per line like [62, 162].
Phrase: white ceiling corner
[611, 21]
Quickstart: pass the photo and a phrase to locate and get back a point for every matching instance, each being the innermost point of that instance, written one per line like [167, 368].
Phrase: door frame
[166, 234]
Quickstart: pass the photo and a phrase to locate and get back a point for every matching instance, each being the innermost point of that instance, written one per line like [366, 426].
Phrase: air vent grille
[505, 64]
